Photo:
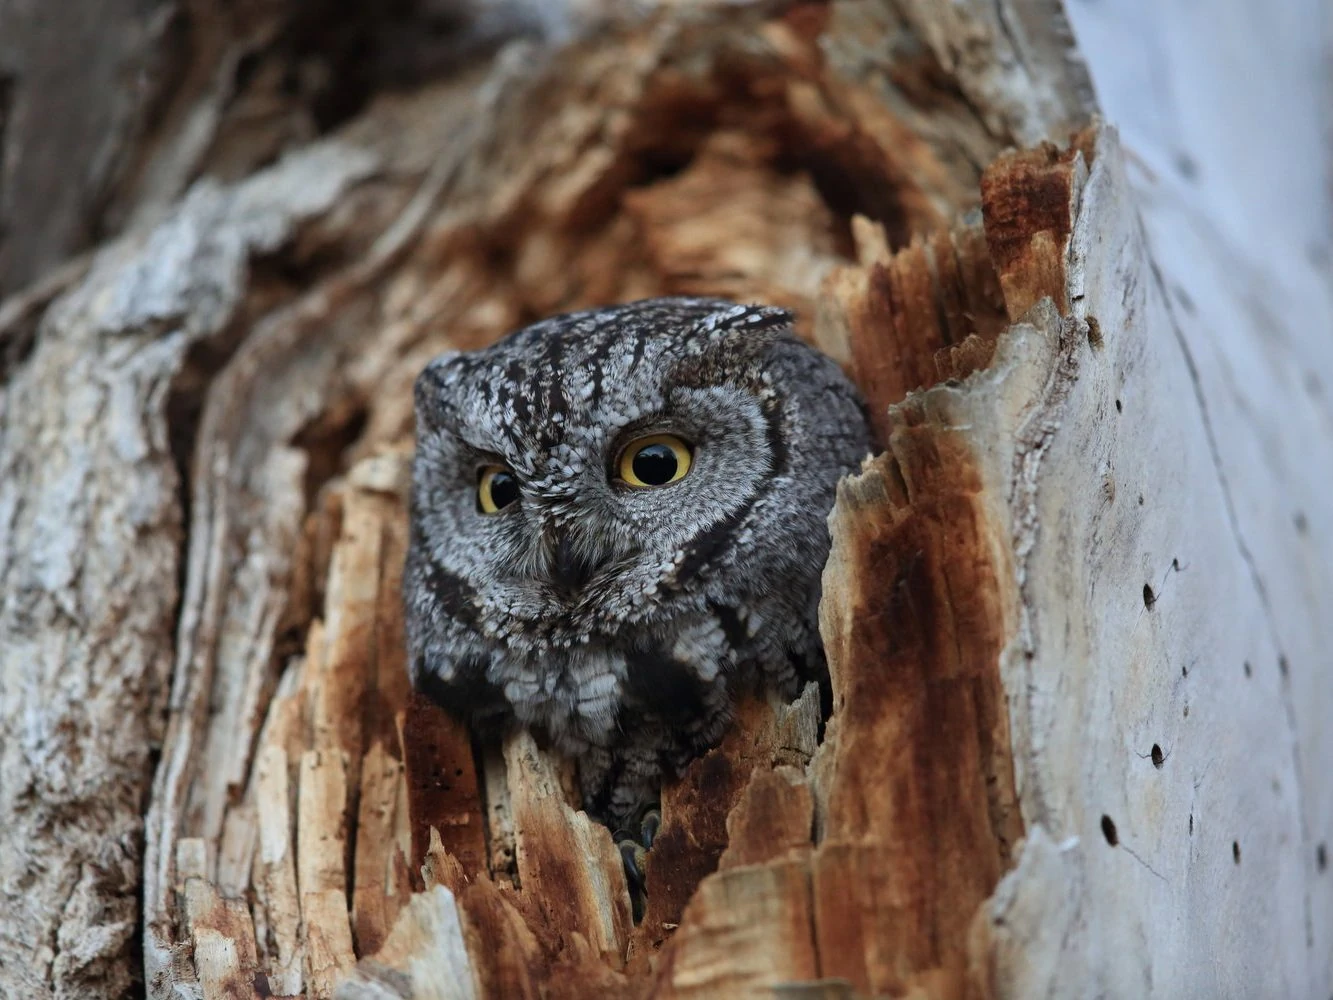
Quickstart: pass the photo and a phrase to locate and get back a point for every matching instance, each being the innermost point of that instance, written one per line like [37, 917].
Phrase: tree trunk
[1075, 611]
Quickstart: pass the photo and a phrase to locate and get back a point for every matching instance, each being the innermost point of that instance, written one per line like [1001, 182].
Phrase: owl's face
[572, 479]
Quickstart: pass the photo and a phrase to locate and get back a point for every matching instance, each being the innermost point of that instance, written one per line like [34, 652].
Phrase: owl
[618, 523]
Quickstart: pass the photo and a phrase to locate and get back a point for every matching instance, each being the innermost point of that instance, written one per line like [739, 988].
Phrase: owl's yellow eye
[496, 489]
[656, 460]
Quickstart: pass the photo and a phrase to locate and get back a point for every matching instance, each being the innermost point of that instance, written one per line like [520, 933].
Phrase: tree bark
[1075, 744]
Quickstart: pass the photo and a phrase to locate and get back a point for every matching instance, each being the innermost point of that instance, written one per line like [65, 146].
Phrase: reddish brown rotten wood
[442, 788]
[906, 320]
[910, 851]
[1029, 199]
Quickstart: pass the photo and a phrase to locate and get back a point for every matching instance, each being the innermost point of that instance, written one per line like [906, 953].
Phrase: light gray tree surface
[1225, 114]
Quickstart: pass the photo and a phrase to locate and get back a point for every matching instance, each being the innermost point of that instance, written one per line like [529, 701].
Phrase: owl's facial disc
[583, 477]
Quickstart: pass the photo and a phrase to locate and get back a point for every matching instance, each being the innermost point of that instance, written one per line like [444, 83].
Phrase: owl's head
[578, 476]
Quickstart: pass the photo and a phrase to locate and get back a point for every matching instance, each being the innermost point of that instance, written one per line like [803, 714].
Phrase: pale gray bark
[1231, 166]
[91, 534]
[1163, 776]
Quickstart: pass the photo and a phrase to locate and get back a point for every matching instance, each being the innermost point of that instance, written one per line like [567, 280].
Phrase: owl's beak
[570, 565]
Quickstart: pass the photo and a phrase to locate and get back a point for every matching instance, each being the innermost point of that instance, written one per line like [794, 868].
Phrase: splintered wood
[329, 764]
[906, 320]
[863, 859]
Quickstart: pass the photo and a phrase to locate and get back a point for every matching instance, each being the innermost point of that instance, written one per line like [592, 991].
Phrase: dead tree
[1076, 638]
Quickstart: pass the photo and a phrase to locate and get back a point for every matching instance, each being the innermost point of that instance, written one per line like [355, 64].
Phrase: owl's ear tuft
[433, 385]
[752, 322]
[742, 332]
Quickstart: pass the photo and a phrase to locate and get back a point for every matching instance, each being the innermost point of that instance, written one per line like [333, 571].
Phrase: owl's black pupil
[504, 489]
[655, 464]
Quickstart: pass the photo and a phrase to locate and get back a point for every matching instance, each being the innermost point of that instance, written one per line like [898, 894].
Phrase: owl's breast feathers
[584, 693]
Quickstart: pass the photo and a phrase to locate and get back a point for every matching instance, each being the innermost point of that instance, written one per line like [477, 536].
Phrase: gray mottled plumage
[619, 623]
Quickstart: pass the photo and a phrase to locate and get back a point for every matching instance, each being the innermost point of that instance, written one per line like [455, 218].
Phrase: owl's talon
[634, 853]
[632, 856]
[652, 821]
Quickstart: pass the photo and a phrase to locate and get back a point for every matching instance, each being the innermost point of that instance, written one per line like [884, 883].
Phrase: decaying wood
[1032, 782]
[760, 137]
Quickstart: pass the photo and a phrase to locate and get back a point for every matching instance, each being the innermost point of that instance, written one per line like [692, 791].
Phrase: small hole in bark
[1140, 499]
[1321, 858]
[1283, 665]
[245, 70]
[1235, 851]
[1175, 565]
[1108, 831]
[1094, 333]
[1301, 523]
[849, 179]
[1157, 758]
[1149, 598]
[656, 165]
[327, 443]
[1187, 711]
[1119, 406]
[1184, 671]
[1191, 824]
[1249, 670]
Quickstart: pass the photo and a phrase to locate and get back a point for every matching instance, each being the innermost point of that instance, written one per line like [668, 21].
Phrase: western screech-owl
[619, 520]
